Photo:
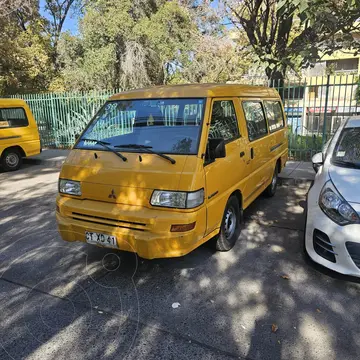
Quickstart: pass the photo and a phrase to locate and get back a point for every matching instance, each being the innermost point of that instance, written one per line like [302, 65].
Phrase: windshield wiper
[148, 149]
[346, 163]
[106, 146]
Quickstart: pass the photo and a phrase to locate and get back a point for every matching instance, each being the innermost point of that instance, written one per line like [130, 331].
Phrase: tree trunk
[119, 52]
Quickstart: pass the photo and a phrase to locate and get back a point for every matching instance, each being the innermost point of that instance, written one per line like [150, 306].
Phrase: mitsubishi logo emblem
[112, 194]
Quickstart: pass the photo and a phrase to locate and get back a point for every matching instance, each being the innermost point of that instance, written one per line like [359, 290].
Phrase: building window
[313, 123]
[313, 91]
[343, 65]
[335, 123]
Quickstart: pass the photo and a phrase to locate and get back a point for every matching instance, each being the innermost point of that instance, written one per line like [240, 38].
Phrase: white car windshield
[171, 126]
[347, 149]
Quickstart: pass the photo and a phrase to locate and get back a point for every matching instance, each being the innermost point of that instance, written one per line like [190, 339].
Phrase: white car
[332, 234]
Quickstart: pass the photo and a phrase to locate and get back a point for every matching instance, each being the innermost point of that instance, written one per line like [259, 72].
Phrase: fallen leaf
[175, 305]
[318, 310]
[279, 342]
[212, 301]
[100, 312]
[274, 328]
[286, 277]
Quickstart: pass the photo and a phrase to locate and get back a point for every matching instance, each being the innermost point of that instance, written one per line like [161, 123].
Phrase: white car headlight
[336, 207]
[177, 199]
[70, 187]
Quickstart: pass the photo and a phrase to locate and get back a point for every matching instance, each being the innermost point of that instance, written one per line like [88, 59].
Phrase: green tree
[213, 59]
[29, 42]
[217, 52]
[292, 34]
[24, 60]
[57, 11]
[131, 47]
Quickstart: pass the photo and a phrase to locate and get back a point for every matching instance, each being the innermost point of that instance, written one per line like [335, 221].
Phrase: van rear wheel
[271, 189]
[230, 226]
[11, 160]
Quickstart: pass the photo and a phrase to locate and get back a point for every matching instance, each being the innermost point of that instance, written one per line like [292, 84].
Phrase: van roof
[11, 102]
[198, 90]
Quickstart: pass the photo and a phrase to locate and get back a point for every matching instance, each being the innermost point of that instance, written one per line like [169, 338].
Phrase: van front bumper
[138, 229]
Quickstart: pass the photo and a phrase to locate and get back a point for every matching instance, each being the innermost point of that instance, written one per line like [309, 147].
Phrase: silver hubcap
[12, 160]
[230, 223]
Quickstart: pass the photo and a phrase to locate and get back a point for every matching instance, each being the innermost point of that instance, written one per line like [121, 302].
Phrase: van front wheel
[230, 226]
[11, 160]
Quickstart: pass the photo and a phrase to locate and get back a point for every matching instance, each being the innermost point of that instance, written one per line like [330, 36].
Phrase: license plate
[101, 239]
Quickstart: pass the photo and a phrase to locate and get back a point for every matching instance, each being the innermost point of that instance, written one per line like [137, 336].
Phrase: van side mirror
[216, 149]
[317, 161]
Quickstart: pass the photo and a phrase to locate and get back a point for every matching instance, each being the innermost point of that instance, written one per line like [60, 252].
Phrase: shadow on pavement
[70, 300]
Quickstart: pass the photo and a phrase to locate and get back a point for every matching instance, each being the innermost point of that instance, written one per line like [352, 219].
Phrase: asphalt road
[63, 300]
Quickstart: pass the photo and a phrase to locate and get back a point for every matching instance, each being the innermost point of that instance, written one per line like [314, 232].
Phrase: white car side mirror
[317, 161]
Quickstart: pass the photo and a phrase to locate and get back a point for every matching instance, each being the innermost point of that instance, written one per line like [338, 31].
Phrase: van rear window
[274, 115]
[13, 117]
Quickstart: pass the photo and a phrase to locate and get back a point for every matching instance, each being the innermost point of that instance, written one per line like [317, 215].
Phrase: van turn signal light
[182, 227]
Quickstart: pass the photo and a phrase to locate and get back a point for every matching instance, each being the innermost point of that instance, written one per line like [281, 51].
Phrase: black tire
[271, 189]
[11, 159]
[228, 236]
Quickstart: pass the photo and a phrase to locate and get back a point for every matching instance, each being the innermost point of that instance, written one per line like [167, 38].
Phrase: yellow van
[160, 171]
[19, 135]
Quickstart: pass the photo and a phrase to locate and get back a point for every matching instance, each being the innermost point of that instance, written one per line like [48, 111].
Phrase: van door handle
[242, 154]
[252, 153]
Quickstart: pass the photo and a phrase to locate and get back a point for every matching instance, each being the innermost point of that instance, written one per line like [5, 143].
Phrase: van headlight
[69, 187]
[336, 207]
[177, 199]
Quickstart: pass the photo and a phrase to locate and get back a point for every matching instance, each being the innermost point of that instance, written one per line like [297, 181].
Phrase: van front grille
[131, 225]
[323, 246]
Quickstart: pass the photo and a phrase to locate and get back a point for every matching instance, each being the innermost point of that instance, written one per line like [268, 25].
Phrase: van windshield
[171, 126]
[347, 150]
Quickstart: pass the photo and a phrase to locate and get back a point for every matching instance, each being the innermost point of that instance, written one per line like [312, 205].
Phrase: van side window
[274, 115]
[224, 124]
[13, 117]
[255, 119]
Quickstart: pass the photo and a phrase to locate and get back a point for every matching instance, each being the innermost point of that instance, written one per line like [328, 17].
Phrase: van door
[259, 147]
[224, 175]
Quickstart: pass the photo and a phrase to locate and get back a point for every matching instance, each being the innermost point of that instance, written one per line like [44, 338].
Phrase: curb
[294, 182]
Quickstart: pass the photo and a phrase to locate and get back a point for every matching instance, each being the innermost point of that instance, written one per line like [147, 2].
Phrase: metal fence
[314, 107]
[61, 116]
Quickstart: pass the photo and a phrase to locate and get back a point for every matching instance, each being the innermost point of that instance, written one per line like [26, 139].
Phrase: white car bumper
[333, 246]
